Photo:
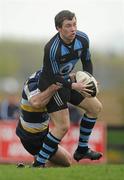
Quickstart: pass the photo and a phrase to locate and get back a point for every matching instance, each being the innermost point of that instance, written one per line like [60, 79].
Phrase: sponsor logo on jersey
[66, 69]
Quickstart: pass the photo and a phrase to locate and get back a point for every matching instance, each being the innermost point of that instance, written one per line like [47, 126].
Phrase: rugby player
[33, 123]
[61, 54]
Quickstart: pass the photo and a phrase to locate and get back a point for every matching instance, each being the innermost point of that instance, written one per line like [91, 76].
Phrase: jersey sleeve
[31, 89]
[86, 57]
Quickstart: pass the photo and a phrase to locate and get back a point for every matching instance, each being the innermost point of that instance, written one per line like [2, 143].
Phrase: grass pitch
[76, 172]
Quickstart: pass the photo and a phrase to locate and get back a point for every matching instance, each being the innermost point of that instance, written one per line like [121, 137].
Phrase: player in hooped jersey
[61, 54]
[33, 123]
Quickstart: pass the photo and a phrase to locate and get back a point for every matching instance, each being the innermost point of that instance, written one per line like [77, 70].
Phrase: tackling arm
[42, 98]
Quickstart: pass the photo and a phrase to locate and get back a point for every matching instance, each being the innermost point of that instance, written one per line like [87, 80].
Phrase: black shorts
[62, 97]
[31, 142]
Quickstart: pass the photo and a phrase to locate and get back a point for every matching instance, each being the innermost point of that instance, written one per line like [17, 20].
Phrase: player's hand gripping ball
[87, 79]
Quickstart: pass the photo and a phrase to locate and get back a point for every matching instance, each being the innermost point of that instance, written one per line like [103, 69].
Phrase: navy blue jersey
[61, 58]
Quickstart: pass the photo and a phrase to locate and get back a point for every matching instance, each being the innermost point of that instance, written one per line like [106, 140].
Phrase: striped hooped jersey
[32, 119]
[60, 58]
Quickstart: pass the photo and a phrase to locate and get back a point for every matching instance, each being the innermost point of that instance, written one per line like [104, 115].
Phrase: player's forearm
[40, 100]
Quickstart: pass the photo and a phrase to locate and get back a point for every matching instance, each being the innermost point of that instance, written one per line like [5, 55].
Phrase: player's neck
[65, 40]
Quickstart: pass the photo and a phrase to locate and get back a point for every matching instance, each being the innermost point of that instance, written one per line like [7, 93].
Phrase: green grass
[77, 172]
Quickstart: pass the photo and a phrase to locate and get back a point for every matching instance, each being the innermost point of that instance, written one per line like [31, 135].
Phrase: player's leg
[32, 145]
[92, 107]
[61, 158]
[61, 123]
[53, 138]
[59, 113]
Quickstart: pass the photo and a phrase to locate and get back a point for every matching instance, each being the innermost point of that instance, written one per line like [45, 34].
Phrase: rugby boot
[36, 164]
[89, 154]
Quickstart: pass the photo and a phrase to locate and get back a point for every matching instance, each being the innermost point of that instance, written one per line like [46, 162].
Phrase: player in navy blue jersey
[60, 57]
[33, 123]
[61, 54]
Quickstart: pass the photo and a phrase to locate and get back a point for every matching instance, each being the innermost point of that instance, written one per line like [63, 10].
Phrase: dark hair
[61, 16]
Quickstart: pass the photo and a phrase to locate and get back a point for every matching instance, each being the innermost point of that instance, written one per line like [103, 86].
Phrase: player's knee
[95, 110]
[98, 108]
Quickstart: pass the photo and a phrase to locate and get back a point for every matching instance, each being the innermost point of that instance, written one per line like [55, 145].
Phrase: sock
[86, 127]
[49, 147]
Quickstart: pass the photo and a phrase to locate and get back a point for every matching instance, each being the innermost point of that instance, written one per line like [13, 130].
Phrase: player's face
[68, 30]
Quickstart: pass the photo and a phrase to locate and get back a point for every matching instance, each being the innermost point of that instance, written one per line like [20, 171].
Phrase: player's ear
[58, 28]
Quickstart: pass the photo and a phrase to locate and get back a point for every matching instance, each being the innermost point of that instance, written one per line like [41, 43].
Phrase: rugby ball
[87, 78]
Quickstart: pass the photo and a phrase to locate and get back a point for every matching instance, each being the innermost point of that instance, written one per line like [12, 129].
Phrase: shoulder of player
[82, 36]
[31, 82]
[52, 42]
